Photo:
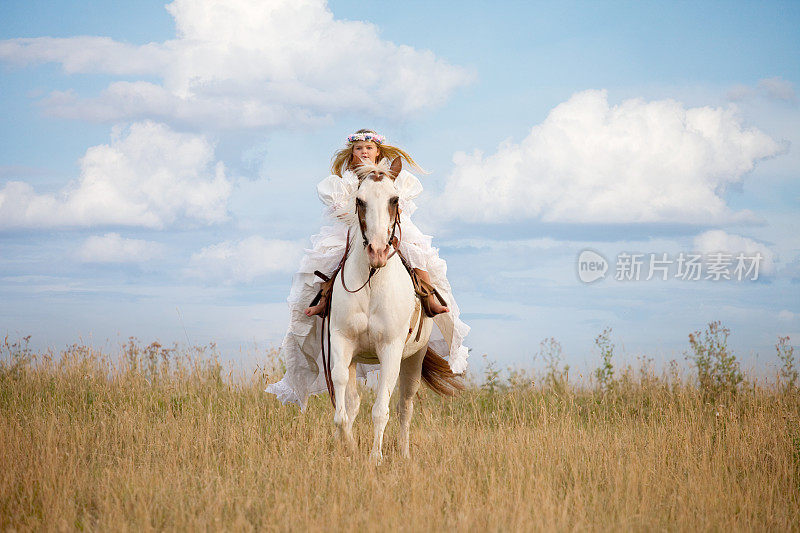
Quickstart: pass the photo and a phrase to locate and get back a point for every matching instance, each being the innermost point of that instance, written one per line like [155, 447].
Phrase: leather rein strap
[421, 288]
[326, 332]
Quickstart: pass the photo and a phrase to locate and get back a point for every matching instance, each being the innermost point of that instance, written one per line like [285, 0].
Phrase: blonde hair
[344, 157]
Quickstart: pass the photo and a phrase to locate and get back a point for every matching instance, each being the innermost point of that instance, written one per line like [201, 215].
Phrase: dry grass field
[167, 440]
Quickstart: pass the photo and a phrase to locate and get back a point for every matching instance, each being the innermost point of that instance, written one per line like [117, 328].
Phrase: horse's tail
[438, 376]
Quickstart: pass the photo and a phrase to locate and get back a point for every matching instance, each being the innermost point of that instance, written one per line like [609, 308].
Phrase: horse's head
[376, 206]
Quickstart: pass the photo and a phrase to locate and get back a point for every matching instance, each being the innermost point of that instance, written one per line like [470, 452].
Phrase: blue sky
[157, 166]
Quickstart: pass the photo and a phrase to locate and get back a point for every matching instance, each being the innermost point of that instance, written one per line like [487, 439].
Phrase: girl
[301, 345]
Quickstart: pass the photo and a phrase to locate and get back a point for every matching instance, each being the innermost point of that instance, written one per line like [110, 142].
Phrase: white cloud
[247, 63]
[715, 241]
[787, 315]
[778, 89]
[113, 248]
[147, 176]
[770, 88]
[634, 162]
[544, 243]
[244, 260]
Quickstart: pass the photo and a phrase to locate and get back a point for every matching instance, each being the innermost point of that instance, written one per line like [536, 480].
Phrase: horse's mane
[365, 169]
[362, 171]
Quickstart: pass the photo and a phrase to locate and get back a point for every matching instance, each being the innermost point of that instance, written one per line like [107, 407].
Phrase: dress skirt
[300, 349]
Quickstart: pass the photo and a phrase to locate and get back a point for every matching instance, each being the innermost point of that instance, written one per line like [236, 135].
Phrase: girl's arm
[337, 195]
[408, 187]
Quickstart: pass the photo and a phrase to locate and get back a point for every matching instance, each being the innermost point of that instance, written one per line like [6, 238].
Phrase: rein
[395, 242]
[326, 332]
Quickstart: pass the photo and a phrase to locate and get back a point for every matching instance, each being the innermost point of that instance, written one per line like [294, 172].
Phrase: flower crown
[368, 136]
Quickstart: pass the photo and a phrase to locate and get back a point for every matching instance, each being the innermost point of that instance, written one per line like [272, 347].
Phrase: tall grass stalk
[167, 439]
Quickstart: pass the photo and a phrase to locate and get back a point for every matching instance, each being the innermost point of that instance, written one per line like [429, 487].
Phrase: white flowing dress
[300, 349]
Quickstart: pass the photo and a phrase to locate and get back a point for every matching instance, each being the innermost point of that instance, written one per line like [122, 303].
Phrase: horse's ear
[355, 162]
[396, 167]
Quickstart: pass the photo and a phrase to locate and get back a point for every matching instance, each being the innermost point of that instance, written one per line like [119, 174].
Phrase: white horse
[374, 318]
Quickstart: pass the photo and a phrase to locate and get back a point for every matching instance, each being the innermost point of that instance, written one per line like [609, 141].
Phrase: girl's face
[366, 150]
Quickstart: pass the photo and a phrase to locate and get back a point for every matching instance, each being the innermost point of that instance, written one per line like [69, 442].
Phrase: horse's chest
[370, 331]
[355, 324]
[377, 316]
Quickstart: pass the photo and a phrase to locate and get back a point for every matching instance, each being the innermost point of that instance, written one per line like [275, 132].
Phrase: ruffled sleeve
[408, 188]
[337, 194]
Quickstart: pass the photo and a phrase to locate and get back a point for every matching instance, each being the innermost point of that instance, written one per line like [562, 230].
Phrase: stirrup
[424, 290]
[324, 292]
[427, 307]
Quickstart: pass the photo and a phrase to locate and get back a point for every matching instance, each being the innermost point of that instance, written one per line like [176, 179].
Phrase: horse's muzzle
[377, 259]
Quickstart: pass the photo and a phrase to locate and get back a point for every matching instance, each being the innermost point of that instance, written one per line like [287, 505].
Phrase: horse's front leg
[341, 357]
[353, 399]
[390, 357]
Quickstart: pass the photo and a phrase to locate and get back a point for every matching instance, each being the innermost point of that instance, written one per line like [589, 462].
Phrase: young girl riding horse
[300, 349]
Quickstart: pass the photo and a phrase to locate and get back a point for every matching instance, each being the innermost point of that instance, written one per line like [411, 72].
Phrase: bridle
[395, 242]
[362, 224]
